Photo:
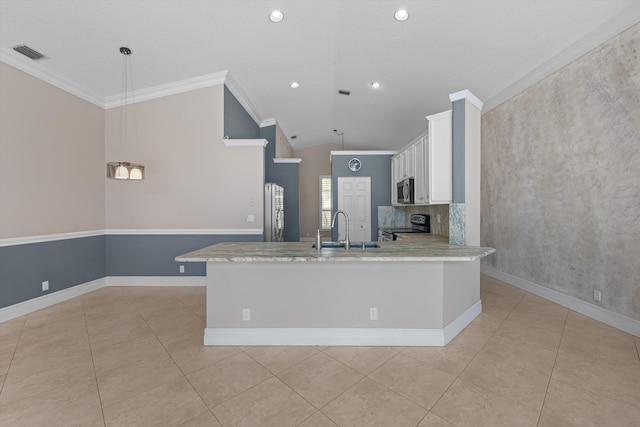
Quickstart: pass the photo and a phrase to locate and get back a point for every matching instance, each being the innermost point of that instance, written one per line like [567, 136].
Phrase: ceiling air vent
[344, 92]
[28, 52]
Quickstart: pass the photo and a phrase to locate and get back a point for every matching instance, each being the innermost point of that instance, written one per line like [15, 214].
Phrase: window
[325, 202]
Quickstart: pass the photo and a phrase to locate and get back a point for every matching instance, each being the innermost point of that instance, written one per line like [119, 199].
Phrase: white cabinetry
[427, 159]
[440, 158]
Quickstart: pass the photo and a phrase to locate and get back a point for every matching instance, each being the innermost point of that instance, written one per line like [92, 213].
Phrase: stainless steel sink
[354, 245]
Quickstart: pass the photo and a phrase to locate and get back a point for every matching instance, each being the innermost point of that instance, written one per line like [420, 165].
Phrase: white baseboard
[342, 336]
[156, 281]
[603, 315]
[462, 321]
[26, 307]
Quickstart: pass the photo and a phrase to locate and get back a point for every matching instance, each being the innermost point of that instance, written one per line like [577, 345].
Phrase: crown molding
[172, 88]
[35, 71]
[592, 40]
[242, 98]
[268, 122]
[364, 153]
[466, 94]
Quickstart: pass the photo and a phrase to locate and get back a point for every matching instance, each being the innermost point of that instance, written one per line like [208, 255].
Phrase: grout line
[544, 401]
[13, 355]
[93, 363]
[184, 375]
[457, 377]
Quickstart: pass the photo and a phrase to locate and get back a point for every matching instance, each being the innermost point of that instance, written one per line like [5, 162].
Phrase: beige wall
[52, 166]
[316, 161]
[561, 179]
[193, 181]
[283, 148]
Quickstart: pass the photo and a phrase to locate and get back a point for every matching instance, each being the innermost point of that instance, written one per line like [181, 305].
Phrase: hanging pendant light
[125, 171]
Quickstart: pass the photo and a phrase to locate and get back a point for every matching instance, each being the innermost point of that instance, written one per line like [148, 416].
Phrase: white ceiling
[494, 48]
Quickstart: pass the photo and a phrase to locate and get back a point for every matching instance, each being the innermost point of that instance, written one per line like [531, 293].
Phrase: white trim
[239, 94]
[287, 160]
[156, 281]
[172, 88]
[364, 153]
[31, 69]
[323, 336]
[38, 303]
[268, 122]
[243, 231]
[342, 336]
[601, 314]
[245, 142]
[592, 40]
[466, 94]
[14, 241]
[29, 306]
[462, 321]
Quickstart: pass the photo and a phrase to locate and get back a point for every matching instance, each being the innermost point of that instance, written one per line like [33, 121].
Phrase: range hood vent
[29, 52]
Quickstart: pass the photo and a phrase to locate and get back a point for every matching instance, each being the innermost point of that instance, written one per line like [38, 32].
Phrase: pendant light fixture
[125, 171]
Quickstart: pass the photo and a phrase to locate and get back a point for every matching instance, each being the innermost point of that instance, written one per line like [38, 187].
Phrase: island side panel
[325, 294]
[461, 288]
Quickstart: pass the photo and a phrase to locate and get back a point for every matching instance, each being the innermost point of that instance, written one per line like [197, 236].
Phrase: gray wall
[153, 255]
[378, 167]
[64, 263]
[457, 149]
[286, 175]
[238, 124]
[561, 179]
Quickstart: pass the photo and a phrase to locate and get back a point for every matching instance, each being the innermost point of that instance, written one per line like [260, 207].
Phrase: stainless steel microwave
[406, 192]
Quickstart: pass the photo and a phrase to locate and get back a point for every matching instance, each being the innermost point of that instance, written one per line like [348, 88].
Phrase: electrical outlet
[182, 269]
[251, 218]
[246, 314]
[373, 314]
[45, 286]
[597, 295]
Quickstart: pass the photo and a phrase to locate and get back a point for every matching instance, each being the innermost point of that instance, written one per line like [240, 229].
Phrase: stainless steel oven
[420, 223]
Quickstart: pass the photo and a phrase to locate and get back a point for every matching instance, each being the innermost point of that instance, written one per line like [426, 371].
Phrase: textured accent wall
[561, 178]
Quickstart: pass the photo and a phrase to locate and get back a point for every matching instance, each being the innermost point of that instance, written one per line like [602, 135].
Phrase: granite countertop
[432, 248]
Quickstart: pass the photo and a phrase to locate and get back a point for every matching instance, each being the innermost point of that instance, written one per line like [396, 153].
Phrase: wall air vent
[294, 136]
[29, 52]
[344, 92]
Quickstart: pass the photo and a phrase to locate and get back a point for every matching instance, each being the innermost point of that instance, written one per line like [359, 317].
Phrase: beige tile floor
[134, 357]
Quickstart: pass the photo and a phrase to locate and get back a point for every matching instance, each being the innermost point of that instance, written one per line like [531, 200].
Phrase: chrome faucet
[346, 241]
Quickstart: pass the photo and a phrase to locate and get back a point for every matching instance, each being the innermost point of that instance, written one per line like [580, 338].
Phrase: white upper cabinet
[428, 160]
[440, 158]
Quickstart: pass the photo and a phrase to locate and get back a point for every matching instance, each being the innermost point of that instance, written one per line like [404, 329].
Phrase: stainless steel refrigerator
[273, 213]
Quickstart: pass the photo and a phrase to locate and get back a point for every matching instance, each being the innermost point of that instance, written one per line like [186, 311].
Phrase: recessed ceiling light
[375, 85]
[401, 15]
[295, 85]
[276, 16]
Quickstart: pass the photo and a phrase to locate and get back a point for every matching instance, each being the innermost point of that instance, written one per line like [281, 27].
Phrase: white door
[354, 197]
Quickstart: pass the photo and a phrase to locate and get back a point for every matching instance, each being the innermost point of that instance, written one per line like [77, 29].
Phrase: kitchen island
[417, 293]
